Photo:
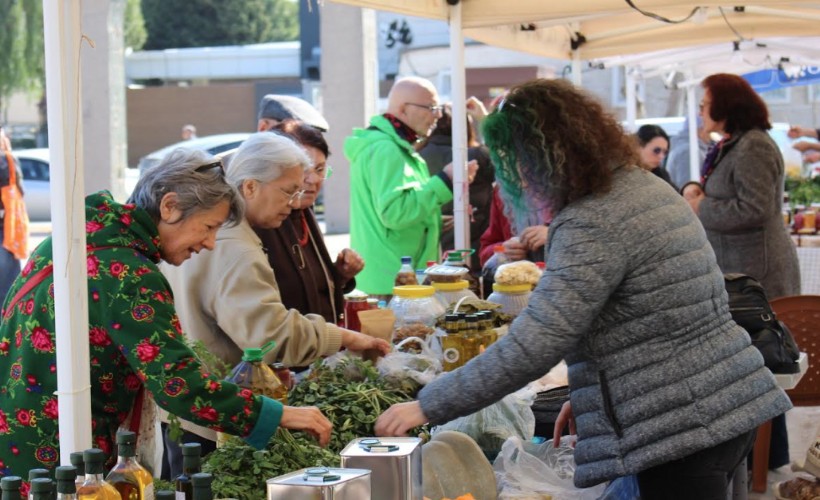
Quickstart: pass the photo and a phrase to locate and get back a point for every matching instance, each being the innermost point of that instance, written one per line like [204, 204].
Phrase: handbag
[15, 221]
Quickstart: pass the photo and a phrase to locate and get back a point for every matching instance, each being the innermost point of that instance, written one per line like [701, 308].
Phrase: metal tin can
[395, 462]
[321, 483]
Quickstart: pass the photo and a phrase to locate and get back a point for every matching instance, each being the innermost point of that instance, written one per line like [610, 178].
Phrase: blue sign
[773, 79]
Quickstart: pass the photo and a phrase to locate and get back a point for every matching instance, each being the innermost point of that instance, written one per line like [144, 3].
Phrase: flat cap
[283, 107]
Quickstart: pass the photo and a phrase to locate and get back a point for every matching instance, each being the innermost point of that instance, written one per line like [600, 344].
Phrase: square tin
[395, 464]
[321, 483]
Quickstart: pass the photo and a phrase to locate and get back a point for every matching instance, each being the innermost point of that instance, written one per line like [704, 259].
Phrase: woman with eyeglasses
[664, 385]
[137, 344]
[653, 146]
[230, 299]
[309, 280]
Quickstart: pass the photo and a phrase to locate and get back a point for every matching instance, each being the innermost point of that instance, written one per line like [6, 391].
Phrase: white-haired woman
[229, 298]
[135, 337]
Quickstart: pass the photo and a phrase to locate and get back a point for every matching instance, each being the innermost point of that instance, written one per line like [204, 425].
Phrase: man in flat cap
[274, 109]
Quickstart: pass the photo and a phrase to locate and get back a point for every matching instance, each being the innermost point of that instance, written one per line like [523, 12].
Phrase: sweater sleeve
[756, 176]
[497, 232]
[247, 306]
[150, 337]
[402, 196]
[585, 265]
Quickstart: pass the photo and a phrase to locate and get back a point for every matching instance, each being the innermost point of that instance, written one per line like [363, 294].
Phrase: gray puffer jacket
[634, 301]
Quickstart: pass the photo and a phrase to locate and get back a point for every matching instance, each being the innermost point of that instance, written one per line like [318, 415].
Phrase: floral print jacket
[135, 340]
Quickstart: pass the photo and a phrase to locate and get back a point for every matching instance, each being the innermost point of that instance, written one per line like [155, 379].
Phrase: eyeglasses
[431, 107]
[293, 197]
[503, 103]
[211, 166]
[660, 150]
[704, 104]
[323, 172]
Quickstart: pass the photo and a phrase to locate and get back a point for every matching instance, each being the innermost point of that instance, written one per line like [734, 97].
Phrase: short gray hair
[196, 190]
[263, 156]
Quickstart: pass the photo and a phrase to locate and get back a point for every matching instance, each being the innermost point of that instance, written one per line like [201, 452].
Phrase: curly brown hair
[735, 101]
[556, 140]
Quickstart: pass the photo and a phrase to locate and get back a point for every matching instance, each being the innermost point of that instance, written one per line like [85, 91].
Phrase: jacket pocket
[609, 409]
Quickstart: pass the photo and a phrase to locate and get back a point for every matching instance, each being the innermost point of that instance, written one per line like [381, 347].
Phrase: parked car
[34, 163]
[213, 144]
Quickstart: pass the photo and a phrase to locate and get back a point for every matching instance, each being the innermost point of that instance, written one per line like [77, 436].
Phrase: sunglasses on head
[211, 166]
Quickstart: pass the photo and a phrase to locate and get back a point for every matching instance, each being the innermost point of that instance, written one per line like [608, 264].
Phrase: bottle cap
[11, 483]
[165, 495]
[66, 475]
[202, 480]
[35, 473]
[191, 450]
[41, 485]
[255, 353]
[94, 459]
[431, 263]
[498, 248]
[541, 265]
[406, 259]
[126, 437]
[76, 459]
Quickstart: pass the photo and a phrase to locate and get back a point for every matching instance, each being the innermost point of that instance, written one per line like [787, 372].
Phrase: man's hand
[309, 419]
[804, 146]
[356, 341]
[534, 237]
[476, 109]
[564, 417]
[448, 222]
[694, 194]
[796, 131]
[400, 418]
[349, 263]
[472, 168]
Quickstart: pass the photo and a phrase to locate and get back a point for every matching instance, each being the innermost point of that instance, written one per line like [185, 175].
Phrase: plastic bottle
[202, 486]
[66, 482]
[66, 476]
[128, 476]
[406, 274]
[191, 464]
[76, 459]
[499, 255]
[254, 374]
[95, 487]
[41, 488]
[10, 487]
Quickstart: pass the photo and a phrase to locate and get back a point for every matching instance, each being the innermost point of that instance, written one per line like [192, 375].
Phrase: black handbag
[751, 310]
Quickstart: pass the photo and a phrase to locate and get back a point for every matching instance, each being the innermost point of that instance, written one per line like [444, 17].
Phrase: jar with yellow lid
[512, 298]
[450, 293]
[416, 308]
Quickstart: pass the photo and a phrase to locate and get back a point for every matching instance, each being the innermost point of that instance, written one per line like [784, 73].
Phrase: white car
[34, 163]
[213, 144]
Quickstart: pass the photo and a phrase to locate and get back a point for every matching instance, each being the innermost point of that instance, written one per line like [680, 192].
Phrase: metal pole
[461, 195]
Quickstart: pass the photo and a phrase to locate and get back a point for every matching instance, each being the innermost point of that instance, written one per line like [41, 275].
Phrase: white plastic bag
[399, 365]
[524, 470]
[491, 426]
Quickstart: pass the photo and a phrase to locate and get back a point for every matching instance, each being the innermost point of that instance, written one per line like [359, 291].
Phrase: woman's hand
[693, 194]
[534, 237]
[472, 168]
[514, 249]
[308, 419]
[356, 341]
[476, 109]
[349, 263]
[400, 418]
[564, 417]
[796, 131]
[804, 146]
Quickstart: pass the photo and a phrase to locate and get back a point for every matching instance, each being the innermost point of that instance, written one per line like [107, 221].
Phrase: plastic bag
[524, 470]
[491, 426]
[421, 368]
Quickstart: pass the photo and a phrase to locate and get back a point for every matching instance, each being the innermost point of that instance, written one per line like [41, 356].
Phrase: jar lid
[414, 291]
[497, 287]
[356, 295]
[450, 287]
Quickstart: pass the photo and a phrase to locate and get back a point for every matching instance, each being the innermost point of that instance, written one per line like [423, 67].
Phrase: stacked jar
[416, 308]
[512, 298]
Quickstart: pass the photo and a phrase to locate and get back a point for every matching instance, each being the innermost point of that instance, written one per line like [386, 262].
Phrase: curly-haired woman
[663, 383]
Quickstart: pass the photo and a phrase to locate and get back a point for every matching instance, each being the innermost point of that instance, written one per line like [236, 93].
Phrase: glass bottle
[470, 338]
[191, 464]
[202, 486]
[128, 476]
[66, 477]
[76, 459]
[10, 487]
[406, 274]
[451, 343]
[489, 335]
[36, 474]
[166, 495]
[41, 488]
[252, 373]
[95, 487]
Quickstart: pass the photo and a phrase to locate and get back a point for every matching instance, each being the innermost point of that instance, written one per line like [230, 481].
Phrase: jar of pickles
[416, 308]
[512, 298]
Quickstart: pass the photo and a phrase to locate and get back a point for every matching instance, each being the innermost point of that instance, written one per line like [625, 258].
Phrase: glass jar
[450, 293]
[416, 308]
[355, 301]
[512, 298]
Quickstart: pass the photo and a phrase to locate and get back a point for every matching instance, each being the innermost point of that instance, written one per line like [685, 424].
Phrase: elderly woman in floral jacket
[135, 337]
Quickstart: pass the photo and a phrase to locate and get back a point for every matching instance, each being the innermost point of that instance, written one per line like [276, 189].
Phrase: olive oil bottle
[202, 486]
[451, 344]
[95, 487]
[128, 476]
[66, 477]
[191, 464]
[10, 487]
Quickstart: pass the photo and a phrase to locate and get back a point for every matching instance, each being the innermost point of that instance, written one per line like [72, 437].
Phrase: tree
[208, 23]
[134, 31]
[21, 45]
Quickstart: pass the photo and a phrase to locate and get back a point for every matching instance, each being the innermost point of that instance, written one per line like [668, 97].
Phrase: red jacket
[497, 232]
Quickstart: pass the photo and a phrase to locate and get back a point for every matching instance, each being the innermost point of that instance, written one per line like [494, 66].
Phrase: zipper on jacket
[608, 408]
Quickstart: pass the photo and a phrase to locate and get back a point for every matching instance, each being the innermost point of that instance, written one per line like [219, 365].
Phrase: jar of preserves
[416, 308]
[512, 298]
[355, 301]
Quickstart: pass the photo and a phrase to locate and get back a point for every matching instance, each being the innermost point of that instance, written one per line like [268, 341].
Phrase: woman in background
[653, 146]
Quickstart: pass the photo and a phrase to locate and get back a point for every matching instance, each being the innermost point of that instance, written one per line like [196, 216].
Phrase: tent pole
[577, 77]
[692, 115]
[63, 38]
[631, 97]
[458, 94]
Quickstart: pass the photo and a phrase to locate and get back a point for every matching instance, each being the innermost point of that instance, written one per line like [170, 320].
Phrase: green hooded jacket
[395, 206]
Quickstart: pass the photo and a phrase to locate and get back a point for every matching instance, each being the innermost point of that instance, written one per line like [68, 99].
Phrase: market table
[809, 259]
